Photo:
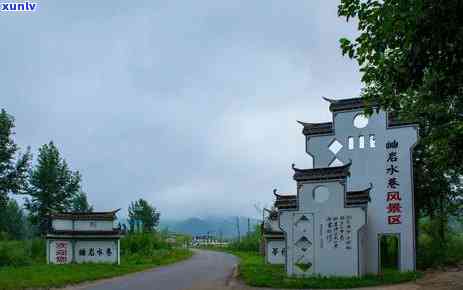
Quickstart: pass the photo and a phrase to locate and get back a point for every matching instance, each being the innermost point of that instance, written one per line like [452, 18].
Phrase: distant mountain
[225, 227]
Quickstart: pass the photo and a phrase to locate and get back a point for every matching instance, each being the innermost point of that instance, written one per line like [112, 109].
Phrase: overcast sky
[191, 105]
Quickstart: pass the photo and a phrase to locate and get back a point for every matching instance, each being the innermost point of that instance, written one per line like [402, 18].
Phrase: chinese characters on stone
[92, 252]
[61, 252]
[339, 232]
[393, 199]
[275, 251]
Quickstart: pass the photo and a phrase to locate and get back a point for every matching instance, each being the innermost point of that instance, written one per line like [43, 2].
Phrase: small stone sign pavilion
[83, 238]
[356, 201]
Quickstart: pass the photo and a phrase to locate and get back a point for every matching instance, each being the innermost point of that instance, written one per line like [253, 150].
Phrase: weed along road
[204, 270]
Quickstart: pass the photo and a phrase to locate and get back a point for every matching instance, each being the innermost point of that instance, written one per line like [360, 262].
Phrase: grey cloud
[189, 104]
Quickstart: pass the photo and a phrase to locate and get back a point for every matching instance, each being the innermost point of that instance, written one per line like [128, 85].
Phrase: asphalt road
[205, 270]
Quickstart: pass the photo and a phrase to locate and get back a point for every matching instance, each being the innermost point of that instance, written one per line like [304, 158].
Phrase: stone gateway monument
[83, 238]
[353, 212]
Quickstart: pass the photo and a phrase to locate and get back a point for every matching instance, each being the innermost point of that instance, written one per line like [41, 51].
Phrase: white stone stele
[279, 257]
[61, 251]
[306, 231]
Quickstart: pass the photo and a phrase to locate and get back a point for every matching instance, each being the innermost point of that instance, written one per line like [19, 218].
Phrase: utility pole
[249, 226]
[238, 228]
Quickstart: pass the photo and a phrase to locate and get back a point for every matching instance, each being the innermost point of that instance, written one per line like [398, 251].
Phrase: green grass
[255, 272]
[48, 276]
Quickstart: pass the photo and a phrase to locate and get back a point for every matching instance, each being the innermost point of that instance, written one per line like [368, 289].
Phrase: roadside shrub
[249, 243]
[144, 244]
[14, 253]
[433, 250]
[37, 250]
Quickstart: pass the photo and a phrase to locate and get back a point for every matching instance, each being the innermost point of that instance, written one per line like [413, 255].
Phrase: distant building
[83, 238]
[207, 240]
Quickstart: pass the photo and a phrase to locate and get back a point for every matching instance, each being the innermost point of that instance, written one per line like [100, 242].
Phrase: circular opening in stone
[321, 194]
[360, 121]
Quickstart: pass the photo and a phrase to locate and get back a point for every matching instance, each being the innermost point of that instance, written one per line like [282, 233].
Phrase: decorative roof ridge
[368, 189]
[347, 165]
[358, 198]
[85, 232]
[362, 196]
[86, 215]
[313, 124]
[347, 104]
[283, 195]
[321, 173]
[316, 128]
[331, 101]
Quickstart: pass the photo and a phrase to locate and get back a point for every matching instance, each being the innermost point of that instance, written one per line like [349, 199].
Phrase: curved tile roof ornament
[325, 173]
[275, 192]
[331, 101]
[359, 198]
[316, 128]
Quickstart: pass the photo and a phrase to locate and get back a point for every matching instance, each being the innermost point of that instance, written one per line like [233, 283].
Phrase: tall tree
[13, 170]
[142, 211]
[13, 166]
[14, 222]
[80, 203]
[411, 59]
[53, 186]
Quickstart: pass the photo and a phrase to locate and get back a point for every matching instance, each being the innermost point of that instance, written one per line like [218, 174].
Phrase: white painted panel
[60, 252]
[96, 251]
[93, 225]
[276, 252]
[62, 225]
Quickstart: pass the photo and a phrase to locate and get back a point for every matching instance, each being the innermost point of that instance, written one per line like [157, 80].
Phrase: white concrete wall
[83, 251]
[62, 225]
[362, 236]
[328, 258]
[82, 225]
[93, 225]
[369, 165]
[96, 251]
[275, 252]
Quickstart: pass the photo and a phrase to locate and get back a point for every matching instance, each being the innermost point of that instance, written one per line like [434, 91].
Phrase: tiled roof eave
[84, 234]
[313, 129]
[109, 216]
[317, 174]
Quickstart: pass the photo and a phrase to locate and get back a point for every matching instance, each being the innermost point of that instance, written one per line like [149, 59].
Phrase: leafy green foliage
[13, 222]
[53, 186]
[411, 59]
[142, 243]
[22, 253]
[144, 212]
[255, 272]
[80, 203]
[13, 169]
[13, 253]
[248, 243]
[431, 254]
